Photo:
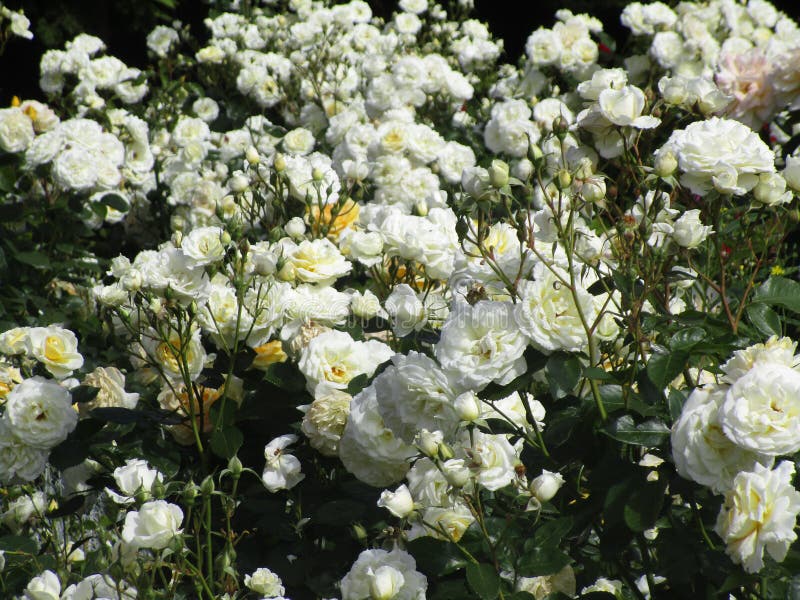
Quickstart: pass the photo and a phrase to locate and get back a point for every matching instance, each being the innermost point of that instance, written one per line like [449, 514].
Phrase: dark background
[123, 25]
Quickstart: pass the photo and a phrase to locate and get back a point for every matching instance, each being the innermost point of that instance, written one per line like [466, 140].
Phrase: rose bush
[325, 305]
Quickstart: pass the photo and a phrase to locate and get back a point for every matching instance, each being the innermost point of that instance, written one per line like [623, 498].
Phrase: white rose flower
[491, 458]
[719, 153]
[482, 343]
[25, 509]
[153, 526]
[760, 513]
[325, 418]
[792, 172]
[444, 523]
[265, 582]
[414, 394]
[100, 587]
[111, 383]
[688, 231]
[16, 130]
[366, 305]
[317, 261]
[334, 358]
[368, 449]
[761, 411]
[206, 109]
[44, 587]
[176, 355]
[135, 476]
[18, 459]
[399, 502]
[56, 348]
[545, 486]
[543, 47]
[701, 450]
[299, 141]
[282, 470]
[624, 107]
[771, 190]
[161, 40]
[775, 350]
[73, 169]
[364, 246]
[359, 583]
[406, 310]
[204, 246]
[39, 412]
[548, 313]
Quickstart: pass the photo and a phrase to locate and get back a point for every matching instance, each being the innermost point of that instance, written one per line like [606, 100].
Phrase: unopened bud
[287, 272]
[252, 156]
[317, 174]
[535, 154]
[546, 485]
[190, 492]
[665, 164]
[456, 472]
[428, 442]
[560, 127]
[207, 486]
[177, 238]
[235, 467]
[563, 179]
[295, 228]
[468, 406]
[279, 164]
[498, 173]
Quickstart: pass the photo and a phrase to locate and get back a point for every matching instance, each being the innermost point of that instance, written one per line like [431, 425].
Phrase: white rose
[365, 247]
[543, 47]
[545, 486]
[135, 476]
[701, 450]
[359, 583]
[18, 459]
[368, 449]
[771, 190]
[335, 358]
[153, 526]
[44, 587]
[719, 153]
[73, 169]
[25, 509]
[442, 523]
[111, 383]
[282, 470]
[792, 172]
[775, 350]
[204, 246]
[688, 231]
[318, 261]
[325, 418]
[406, 310]
[761, 411]
[366, 305]
[399, 502]
[39, 412]
[491, 459]
[101, 587]
[414, 394]
[760, 513]
[482, 343]
[624, 107]
[16, 130]
[161, 40]
[299, 141]
[265, 582]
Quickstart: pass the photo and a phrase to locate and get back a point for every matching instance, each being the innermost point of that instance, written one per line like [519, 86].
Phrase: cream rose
[153, 526]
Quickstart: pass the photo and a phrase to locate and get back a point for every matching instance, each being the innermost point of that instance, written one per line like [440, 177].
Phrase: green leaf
[34, 259]
[338, 512]
[521, 596]
[483, 580]
[781, 291]
[226, 442]
[285, 377]
[665, 366]
[551, 532]
[542, 561]
[687, 339]
[116, 202]
[764, 319]
[563, 371]
[357, 384]
[642, 508]
[18, 543]
[651, 433]
[436, 556]
[84, 393]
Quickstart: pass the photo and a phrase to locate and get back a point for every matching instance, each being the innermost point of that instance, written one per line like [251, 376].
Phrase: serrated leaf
[542, 560]
[83, 393]
[551, 532]
[651, 433]
[563, 371]
[688, 338]
[116, 202]
[643, 506]
[34, 259]
[764, 319]
[664, 366]
[483, 580]
[226, 442]
[781, 291]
